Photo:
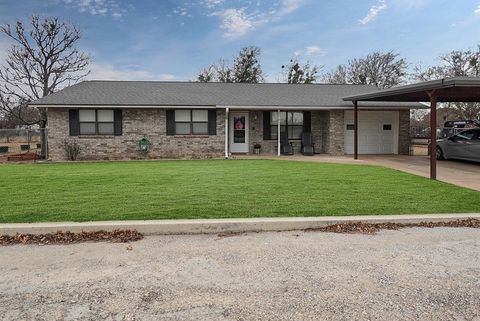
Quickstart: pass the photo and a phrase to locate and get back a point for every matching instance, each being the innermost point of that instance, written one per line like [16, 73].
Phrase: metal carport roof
[457, 89]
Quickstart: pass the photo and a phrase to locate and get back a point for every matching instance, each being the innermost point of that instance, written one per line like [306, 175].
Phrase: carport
[457, 89]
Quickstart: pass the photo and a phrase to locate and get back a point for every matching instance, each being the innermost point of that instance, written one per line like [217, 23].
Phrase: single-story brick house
[202, 120]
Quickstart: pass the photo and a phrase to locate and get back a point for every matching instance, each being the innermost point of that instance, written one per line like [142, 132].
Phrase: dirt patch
[116, 236]
[229, 234]
[373, 228]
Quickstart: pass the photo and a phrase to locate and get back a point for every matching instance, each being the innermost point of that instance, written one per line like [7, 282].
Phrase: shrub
[72, 149]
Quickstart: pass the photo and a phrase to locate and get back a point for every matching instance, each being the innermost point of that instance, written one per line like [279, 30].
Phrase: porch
[331, 130]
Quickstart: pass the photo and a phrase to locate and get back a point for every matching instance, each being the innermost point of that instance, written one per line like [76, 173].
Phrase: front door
[238, 128]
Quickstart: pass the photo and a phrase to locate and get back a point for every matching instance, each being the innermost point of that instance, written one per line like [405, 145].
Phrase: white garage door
[377, 132]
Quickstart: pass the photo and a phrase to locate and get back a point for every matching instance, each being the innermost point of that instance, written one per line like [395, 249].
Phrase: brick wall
[256, 134]
[327, 132]
[136, 124]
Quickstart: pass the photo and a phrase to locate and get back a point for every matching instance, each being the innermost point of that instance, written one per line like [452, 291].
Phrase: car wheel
[440, 154]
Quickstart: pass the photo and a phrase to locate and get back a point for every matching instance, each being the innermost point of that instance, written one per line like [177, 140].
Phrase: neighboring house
[203, 120]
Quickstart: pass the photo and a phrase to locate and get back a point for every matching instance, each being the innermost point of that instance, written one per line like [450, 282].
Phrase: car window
[468, 134]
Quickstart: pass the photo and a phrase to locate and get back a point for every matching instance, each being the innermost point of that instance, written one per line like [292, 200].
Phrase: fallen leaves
[126, 236]
[373, 228]
[116, 236]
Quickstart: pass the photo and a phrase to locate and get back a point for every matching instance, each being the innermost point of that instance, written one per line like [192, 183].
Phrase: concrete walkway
[459, 173]
[215, 226]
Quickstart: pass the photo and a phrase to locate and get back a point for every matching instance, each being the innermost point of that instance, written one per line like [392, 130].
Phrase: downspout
[226, 132]
[278, 133]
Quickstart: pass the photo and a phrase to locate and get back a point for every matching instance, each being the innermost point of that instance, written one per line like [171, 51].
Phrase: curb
[214, 226]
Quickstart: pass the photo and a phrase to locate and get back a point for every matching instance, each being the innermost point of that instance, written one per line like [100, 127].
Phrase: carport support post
[355, 132]
[433, 134]
[278, 132]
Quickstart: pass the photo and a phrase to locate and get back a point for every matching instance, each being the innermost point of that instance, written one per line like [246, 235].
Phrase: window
[387, 127]
[291, 122]
[96, 121]
[191, 122]
[467, 135]
[350, 126]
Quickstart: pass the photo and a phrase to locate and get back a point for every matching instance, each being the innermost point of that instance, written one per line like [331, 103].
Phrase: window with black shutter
[291, 122]
[194, 122]
[73, 122]
[97, 122]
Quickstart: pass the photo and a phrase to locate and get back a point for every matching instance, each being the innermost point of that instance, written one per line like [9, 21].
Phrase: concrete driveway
[460, 173]
[410, 274]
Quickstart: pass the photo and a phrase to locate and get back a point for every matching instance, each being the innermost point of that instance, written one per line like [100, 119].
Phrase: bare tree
[456, 63]
[207, 74]
[217, 72]
[383, 70]
[10, 120]
[42, 59]
[224, 73]
[337, 76]
[246, 68]
[297, 73]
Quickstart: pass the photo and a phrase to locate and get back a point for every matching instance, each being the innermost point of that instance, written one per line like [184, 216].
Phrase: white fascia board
[122, 106]
[316, 107]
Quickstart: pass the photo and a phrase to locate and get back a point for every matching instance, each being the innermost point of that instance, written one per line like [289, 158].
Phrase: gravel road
[411, 274]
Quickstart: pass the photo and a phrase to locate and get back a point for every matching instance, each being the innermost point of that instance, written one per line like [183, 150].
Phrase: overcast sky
[173, 40]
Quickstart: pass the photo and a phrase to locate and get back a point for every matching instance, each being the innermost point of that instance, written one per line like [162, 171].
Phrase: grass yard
[217, 189]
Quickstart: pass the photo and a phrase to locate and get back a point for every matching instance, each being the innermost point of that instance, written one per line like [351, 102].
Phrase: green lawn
[217, 188]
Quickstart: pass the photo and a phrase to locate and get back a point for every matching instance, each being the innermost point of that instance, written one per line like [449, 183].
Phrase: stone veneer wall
[335, 134]
[404, 132]
[136, 124]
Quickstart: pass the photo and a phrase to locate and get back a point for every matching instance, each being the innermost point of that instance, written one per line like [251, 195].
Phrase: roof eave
[415, 88]
[391, 106]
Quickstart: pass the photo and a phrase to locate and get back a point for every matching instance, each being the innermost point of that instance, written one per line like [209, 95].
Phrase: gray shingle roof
[158, 93]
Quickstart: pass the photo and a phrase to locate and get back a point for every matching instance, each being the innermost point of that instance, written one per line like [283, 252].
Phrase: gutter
[420, 87]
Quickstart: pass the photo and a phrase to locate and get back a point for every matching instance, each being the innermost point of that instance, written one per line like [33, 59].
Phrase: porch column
[355, 131]
[433, 134]
[278, 132]
[226, 132]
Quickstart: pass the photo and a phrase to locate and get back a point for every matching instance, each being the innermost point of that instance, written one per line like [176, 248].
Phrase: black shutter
[212, 122]
[74, 122]
[117, 122]
[266, 125]
[307, 122]
[170, 121]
